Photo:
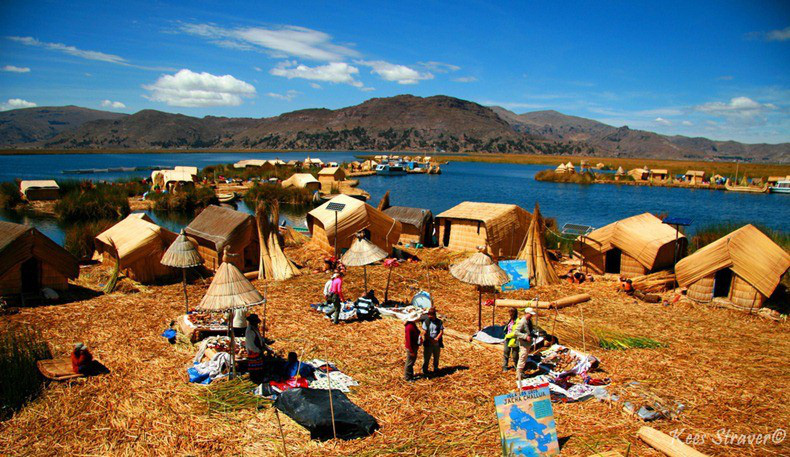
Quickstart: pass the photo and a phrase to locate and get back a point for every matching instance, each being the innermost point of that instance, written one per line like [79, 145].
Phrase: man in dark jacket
[434, 330]
[412, 344]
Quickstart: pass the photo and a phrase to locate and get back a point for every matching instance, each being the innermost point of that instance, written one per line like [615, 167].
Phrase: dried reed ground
[729, 369]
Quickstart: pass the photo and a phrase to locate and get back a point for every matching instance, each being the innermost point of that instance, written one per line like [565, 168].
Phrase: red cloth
[290, 383]
[412, 337]
[81, 360]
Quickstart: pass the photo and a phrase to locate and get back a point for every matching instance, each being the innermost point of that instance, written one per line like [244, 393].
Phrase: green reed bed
[185, 200]
[9, 195]
[86, 201]
[20, 380]
[707, 234]
[285, 195]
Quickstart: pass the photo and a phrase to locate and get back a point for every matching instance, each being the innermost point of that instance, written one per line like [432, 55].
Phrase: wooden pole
[232, 345]
[265, 301]
[584, 339]
[282, 435]
[365, 272]
[186, 298]
[673, 447]
[329, 388]
[479, 308]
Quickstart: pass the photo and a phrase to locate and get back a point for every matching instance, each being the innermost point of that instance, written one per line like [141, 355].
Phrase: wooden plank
[560, 303]
[666, 444]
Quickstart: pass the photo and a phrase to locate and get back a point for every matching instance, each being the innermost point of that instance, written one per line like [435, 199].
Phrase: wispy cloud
[112, 104]
[439, 67]
[725, 78]
[281, 41]
[395, 72]
[191, 89]
[288, 96]
[81, 53]
[662, 121]
[742, 107]
[15, 103]
[771, 35]
[15, 69]
[465, 79]
[333, 72]
[513, 105]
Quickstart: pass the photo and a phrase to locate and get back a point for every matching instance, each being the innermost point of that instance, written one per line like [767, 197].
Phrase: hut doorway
[31, 275]
[446, 237]
[613, 260]
[722, 282]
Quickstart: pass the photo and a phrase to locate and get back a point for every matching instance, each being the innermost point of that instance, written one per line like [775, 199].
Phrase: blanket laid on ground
[207, 372]
[347, 311]
[310, 408]
[493, 334]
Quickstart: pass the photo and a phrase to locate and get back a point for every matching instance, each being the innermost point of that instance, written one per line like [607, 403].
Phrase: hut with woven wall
[744, 266]
[40, 190]
[216, 227]
[29, 261]
[639, 174]
[356, 216]
[659, 174]
[499, 227]
[417, 224]
[631, 247]
[330, 175]
[695, 176]
[303, 181]
[139, 244]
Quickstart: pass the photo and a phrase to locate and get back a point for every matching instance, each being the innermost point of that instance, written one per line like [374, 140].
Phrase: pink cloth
[337, 287]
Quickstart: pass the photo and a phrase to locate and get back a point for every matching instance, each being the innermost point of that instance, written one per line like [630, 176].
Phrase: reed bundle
[654, 282]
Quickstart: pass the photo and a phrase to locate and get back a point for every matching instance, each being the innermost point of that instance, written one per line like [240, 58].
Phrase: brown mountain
[29, 125]
[624, 142]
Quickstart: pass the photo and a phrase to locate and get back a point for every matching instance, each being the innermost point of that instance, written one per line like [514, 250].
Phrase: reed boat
[748, 189]
[227, 197]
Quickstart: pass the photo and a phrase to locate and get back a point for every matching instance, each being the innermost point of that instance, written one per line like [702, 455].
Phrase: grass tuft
[20, 381]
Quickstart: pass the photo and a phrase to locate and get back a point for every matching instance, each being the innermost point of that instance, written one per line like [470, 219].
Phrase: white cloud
[14, 103]
[15, 69]
[288, 96]
[778, 35]
[112, 104]
[439, 67]
[395, 72]
[367, 89]
[662, 121]
[465, 79]
[282, 41]
[687, 123]
[333, 72]
[741, 107]
[257, 68]
[82, 53]
[190, 89]
[315, 85]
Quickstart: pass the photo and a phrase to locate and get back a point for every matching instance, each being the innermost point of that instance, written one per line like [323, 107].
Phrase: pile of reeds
[229, 396]
[285, 195]
[10, 197]
[654, 282]
[186, 200]
[20, 381]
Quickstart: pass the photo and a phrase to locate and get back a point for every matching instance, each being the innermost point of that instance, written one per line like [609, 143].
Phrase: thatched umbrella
[481, 271]
[229, 291]
[362, 253]
[182, 254]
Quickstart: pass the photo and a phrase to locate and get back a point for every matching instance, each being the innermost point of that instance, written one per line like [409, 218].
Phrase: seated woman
[256, 349]
[81, 360]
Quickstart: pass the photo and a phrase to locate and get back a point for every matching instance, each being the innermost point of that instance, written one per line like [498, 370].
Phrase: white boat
[390, 169]
[781, 187]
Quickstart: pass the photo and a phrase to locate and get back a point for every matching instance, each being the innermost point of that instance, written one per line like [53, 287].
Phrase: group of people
[575, 276]
[522, 339]
[431, 340]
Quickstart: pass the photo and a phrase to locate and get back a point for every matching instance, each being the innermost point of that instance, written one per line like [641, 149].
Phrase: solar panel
[576, 229]
[336, 207]
[681, 221]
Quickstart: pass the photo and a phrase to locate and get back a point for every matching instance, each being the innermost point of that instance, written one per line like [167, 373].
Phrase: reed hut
[499, 227]
[139, 244]
[217, 227]
[357, 216]
[639, 174]
[331, 175]
[303, 181]
[619, 173]
[695, 176]
[417, 224]
[308, 162]
[631, 247]
[744, 266]
[659, 174]
[560, 168]
[40, 190]
[187, 169]
[29, 261]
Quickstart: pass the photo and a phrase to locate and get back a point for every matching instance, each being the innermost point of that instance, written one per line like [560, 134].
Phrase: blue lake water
[594, 205]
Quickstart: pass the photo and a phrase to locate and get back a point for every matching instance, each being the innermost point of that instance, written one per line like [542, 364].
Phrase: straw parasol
[479, 270]
[182, 254]
[229, 291]
[362, 253]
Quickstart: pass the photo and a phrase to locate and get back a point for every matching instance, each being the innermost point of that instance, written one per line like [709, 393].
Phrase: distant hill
[29, 125]
[625, 142]
[403, 122]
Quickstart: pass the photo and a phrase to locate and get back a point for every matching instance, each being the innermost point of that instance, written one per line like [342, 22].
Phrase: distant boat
[390, 169]
[781, 187]
[748, 189]
[227, 198]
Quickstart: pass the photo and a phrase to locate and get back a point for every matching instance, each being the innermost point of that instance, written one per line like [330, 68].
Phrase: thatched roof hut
[303, 181]
[216, 227]
[695, 176]
[356, 216]
[29, 261]
[631, 247]
[139, 244]
[46, 189]
[744, 266]
[417, 223]
[659, 173]
[499, 227]
[619, 172]
[560, 168]
[330, 175]
[639, 174]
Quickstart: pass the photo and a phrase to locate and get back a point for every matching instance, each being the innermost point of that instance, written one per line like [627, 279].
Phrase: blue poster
[517, 272]
[526, 423]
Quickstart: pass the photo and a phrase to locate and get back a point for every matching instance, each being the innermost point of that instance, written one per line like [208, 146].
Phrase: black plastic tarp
[310, 409]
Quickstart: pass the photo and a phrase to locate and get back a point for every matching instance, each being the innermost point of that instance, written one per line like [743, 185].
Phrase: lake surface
[595, 205]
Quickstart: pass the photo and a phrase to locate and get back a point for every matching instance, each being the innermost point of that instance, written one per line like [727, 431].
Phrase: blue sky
[691, 68]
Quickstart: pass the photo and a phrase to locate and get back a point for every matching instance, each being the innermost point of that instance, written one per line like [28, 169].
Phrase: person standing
[412, 343]
[336, 296]
[328, 286]
[511, 345]
[239, 322]
[524, 334]
[433, 344]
